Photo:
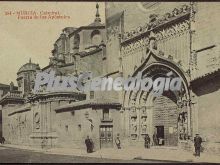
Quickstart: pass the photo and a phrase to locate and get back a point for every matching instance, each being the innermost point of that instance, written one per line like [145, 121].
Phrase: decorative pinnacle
[97, 19]
[29, 60]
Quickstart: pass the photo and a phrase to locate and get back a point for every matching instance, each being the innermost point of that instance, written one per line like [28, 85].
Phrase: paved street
[12, 155]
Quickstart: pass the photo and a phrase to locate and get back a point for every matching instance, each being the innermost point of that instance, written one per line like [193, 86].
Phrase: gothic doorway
[167, 115]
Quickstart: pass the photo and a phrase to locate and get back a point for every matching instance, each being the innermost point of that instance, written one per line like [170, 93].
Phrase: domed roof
[29, 67]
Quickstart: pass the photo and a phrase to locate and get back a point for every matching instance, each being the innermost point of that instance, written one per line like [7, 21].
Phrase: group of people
[197, 143]
[147, 141]
[156, 140]
[90, 145]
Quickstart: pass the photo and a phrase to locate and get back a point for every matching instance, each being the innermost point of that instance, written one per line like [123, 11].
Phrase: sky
[21, 40]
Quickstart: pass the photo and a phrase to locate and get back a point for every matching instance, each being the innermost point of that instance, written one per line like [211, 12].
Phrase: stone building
[4, 89]
[62, 119]
[153, 38]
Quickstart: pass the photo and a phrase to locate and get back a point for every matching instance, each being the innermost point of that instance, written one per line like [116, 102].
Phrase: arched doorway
[149, 114]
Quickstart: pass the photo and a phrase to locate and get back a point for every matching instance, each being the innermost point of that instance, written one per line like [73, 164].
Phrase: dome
[29, 67]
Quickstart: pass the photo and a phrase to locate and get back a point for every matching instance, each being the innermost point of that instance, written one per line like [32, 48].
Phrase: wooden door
[106, 136]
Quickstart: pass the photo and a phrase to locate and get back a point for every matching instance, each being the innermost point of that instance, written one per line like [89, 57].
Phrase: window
[92, 95]
[105, 114]
[66, 127]
[96, 37]
[72, 113]
[79, 127]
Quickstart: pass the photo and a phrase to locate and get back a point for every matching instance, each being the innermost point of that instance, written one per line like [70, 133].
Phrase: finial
[29, 60]
[97, 19]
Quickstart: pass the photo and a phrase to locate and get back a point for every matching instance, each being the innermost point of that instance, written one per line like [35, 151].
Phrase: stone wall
[73, 127]
[208, 94]
[135, 15]
[206, 39]
[16, 126]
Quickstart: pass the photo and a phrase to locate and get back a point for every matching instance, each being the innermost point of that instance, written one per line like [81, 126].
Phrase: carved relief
[144, 124]
[37, 120]
[143, 111]
[177, 29]
[182, 125]
[156, 21]
[133, 124]
[137, 45]
[138, 122]
[133, 112]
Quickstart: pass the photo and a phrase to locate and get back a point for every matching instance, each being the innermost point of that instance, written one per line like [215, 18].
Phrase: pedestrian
[88, 145]
[147, 141]
[197, 144]
[91, 145]
[118, 142]
[155, 139]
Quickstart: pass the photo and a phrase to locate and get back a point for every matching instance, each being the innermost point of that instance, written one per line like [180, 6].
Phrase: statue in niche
[153, 42]
[133, 112]
[144, 111]
[144, 124]
[134, 124]
[37, 120]
[182, 123]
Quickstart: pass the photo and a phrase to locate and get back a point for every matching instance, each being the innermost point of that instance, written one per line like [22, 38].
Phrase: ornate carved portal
[138, 122]
[167, 115]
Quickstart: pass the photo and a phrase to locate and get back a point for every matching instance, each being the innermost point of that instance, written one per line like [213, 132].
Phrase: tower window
[96, 37]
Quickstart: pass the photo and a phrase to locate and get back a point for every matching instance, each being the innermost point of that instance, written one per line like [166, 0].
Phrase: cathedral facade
[153, 38]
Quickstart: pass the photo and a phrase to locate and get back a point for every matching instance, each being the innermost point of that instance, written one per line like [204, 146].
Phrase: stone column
[188, 120]
[127, 124]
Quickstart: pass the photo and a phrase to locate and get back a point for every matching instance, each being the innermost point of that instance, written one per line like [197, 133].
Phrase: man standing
[91, 145]
[88, 144]
[118, 142]
[197, 144]
[147, 141]
[155, 139]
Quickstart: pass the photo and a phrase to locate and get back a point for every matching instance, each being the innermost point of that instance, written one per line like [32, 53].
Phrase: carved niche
[36, 121]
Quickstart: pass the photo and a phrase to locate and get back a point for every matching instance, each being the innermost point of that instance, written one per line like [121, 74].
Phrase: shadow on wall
[206, 85]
